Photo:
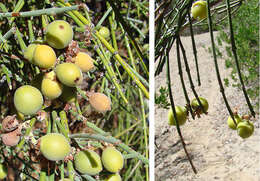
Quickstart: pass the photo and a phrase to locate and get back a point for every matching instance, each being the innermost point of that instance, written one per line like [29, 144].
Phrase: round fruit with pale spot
[181, 116]
[59, 34]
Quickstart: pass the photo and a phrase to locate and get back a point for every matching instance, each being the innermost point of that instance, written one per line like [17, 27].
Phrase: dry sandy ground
[218, 152]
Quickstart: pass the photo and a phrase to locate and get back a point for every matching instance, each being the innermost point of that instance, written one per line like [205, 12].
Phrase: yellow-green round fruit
[84, 62]
[105, 32]
[230, 121]
[199, 10]
[112, 159]
[28, 100]
[54, 146]
[69, 74]
[29, 52]
[245, 129]
[51, 89]
[100, 102]
[59, 34]
[114, 177]
[181, 116]
[3, 171]
[196, 107]
[44, 56]
[88, 162]
[69, 94]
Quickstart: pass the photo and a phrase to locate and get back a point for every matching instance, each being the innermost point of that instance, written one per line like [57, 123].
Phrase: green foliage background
[246, 32]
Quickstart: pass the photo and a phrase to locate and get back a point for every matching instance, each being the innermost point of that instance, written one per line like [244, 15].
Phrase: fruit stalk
[89, 124]
[181, 78]
[222, 90]
[233, 48]
[111, 73]
[175, 114]
[194, 50]
[123, 63]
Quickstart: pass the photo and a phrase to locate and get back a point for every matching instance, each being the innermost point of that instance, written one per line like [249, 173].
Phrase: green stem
[112, 140]
[27, 132]
[49, 11]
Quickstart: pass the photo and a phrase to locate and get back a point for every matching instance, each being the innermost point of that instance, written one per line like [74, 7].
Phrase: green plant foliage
[119, 71]
[246, 26]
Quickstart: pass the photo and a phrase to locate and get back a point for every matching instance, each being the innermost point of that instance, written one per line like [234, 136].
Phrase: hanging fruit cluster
[183, 112]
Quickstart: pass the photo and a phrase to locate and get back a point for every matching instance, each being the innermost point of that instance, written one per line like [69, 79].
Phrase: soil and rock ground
[218, 153]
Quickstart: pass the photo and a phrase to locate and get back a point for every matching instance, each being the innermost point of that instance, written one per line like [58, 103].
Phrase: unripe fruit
[28, 100]
[29, 52]
[195, 105]
[9, 123]
[59, 34]
[54, 146]
[199, 10]
[11, 138]
[84, 62]
[69, 74]
[69, 94]
[105, 32]
[100, 102]
[44, 56]
[88, 162]
[114, 177]
[3, 171]
[50, 87]
[245, 129]
[181, 116]
[230, 121]
[112, 159]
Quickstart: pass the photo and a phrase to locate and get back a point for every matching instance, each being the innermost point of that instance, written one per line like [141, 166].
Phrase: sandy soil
[217, 152]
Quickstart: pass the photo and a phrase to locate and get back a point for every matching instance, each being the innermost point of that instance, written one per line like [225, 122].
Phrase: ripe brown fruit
[100, 102]
[11, 138]
[9, 123]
